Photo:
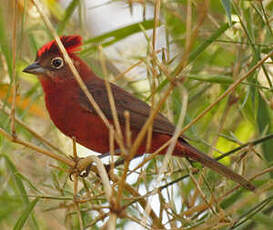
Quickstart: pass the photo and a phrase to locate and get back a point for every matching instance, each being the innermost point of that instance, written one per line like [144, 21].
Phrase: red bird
[73, 114]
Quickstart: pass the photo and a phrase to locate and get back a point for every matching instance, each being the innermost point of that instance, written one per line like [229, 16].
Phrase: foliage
[210, 46]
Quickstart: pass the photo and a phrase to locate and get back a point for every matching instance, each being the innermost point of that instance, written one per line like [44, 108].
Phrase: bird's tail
[205, 160]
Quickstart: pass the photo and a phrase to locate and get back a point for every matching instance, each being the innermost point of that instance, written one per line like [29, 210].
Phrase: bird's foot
[81, 168]
[86, 171]
[74, 170]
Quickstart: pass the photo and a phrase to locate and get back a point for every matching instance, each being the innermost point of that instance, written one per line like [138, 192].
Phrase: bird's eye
[57, 62]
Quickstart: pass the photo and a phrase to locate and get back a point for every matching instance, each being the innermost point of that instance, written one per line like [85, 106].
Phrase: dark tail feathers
[209, 162]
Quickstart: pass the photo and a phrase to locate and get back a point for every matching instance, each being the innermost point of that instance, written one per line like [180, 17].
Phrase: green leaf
[221, 79]
[4, 43]
[226, 5]
[116, 35]
[20, 186]
[263, 219]
[195, 53]
[264, 125]
[17, 180]
[67, 15]
[212, 78]
[22, 220]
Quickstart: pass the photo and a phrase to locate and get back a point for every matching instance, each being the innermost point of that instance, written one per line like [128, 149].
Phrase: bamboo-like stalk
[203, 206]
[172, 144]
[152, 49]
[214, 220]
[118, 197]
[7, 111]
[14, 82]
[228, 91]
[112, 103]
[75, 182]
[57, 157]
[191, 36]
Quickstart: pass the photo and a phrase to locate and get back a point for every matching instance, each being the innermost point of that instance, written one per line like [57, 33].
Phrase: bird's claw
[70, 176]
[78, 170]
[86, 171]
[83, 174]
[75, 170]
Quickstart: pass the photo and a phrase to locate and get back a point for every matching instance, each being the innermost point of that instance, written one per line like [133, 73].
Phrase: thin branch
[7, 111]
[14, 86]
[172, 145]
[17, 140]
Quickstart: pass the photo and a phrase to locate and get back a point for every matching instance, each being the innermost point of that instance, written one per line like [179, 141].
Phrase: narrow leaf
[195, 53]
[116, 35]
[17, 180]
[22, 220]
[67, 15]
[226, 5]
[264, 124]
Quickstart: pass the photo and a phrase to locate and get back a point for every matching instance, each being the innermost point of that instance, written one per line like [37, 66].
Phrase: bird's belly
[88, 129]
[91, 132]
[73, 121]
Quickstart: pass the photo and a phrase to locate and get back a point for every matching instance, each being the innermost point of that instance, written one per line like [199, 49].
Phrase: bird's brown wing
[139, 110]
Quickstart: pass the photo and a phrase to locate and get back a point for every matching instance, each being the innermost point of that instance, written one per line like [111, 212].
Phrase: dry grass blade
[7, 111]
[17, 140]
[171, 147]
[14, 82]
[112, 104]
[228, 91]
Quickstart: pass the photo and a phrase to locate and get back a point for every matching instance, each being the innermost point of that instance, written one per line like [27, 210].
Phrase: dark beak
[34, 68]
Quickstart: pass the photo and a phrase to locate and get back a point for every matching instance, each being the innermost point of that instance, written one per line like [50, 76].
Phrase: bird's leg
[107, 167]
[104, 155]
[88, 168]
[75, 168]
[86, 171]
[118, 162]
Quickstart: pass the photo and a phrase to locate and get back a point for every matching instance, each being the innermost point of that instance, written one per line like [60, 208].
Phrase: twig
[112, 103]
[171, 146]
[212, 221]
[75, 182]
[14, 86]
[255, 142]
[17, 140]
[83, 163]
[25, 126]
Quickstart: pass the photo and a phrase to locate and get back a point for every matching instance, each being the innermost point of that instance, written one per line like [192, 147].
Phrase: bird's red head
[50, 63]
[71, 43]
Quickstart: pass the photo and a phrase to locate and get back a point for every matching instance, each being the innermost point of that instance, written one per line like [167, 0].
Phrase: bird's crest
[71, 43]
